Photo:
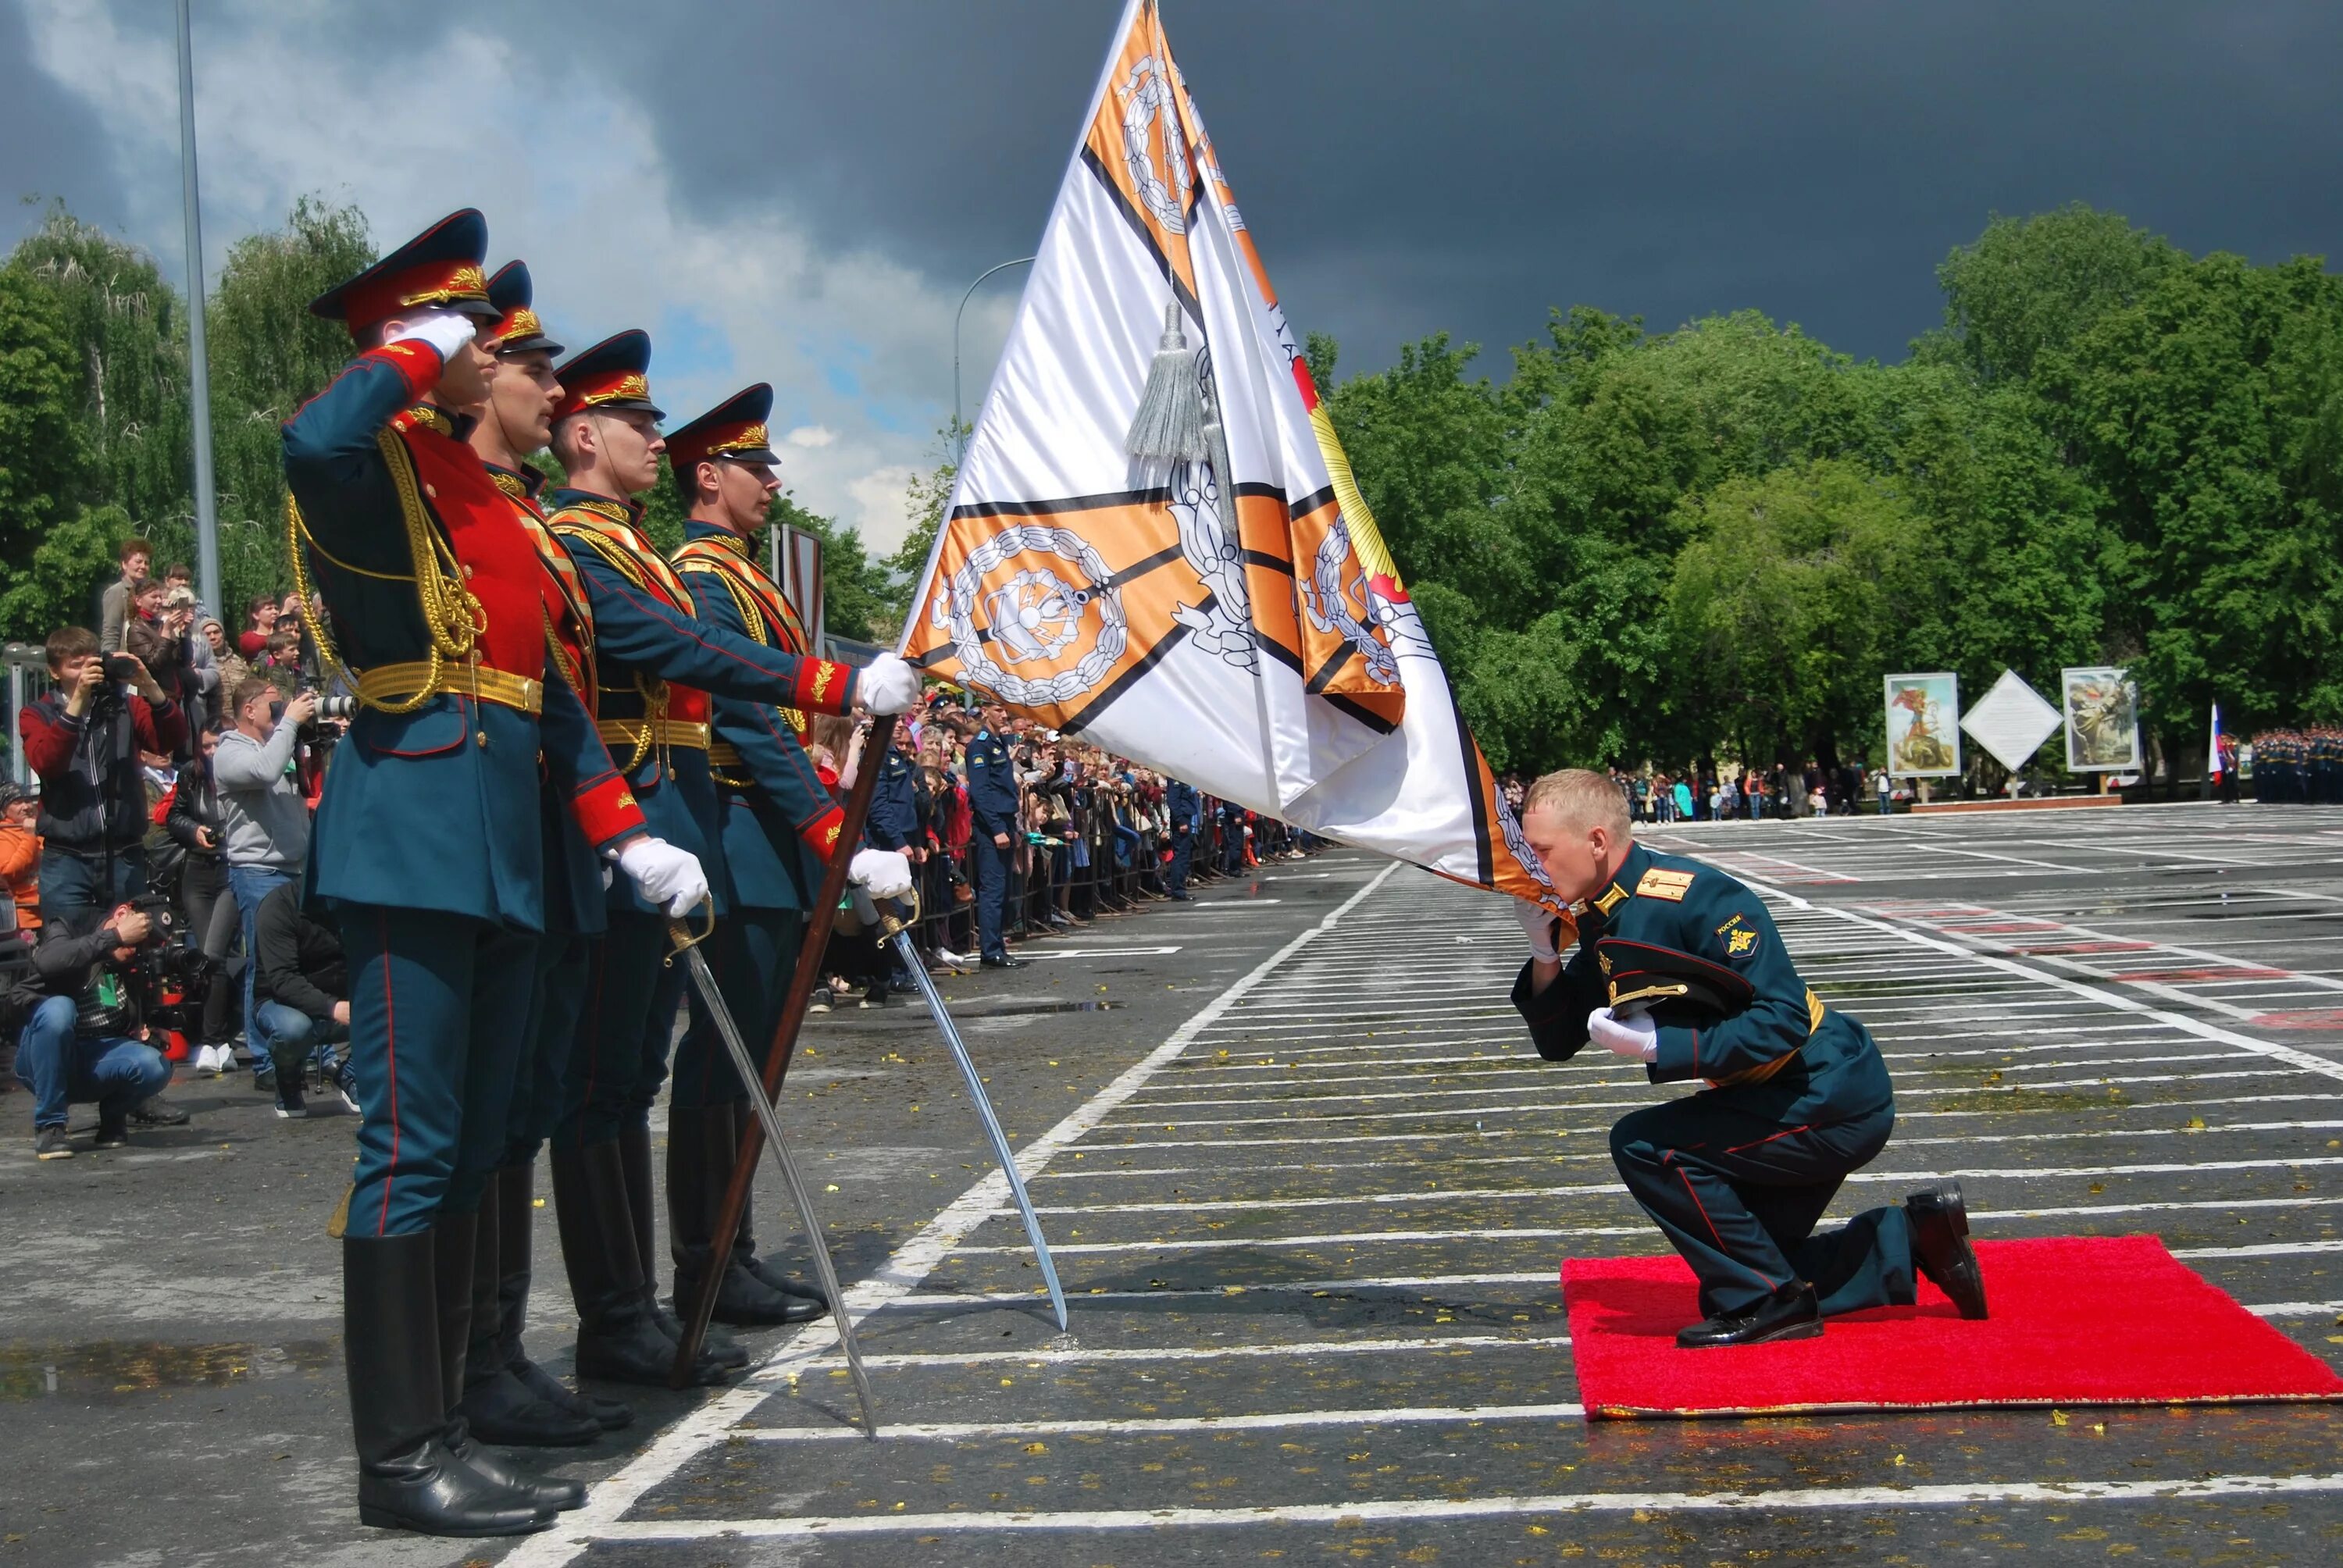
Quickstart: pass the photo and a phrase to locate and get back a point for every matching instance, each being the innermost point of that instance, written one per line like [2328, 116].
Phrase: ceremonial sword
[705, 979]
[894, 928]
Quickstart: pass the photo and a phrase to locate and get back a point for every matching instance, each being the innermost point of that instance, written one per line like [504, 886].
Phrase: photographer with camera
[301, 998]
[84, 739]
[85, 1031]
[265, 819]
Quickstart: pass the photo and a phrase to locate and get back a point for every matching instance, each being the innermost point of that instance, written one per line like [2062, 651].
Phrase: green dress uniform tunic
[1797, 1097]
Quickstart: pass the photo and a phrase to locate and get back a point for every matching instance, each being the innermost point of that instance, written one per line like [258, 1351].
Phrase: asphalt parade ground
[1309, 1188]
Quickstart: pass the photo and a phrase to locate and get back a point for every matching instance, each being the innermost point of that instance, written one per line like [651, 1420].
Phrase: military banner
[1155, 541]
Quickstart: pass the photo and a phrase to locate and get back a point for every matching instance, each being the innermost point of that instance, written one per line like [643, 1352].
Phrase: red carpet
[2076, 1321]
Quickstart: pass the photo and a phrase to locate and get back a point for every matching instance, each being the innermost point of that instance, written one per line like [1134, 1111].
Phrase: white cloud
[572, 178]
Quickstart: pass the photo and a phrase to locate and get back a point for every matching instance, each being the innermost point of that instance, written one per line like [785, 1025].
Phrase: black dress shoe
[1789, 1313]
[1940, 1246]
[157, 1112]
[1005, 962]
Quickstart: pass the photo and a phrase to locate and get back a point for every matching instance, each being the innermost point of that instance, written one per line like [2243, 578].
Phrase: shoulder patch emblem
[1668, 885]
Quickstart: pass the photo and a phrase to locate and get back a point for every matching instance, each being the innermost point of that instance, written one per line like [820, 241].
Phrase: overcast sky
[799, 192]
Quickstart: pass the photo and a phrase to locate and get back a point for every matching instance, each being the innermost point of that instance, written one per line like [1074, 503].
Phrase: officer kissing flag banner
[1155, 541]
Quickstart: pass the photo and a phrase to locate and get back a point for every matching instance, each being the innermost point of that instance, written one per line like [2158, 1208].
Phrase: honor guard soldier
[656, 664]
[1185, 809]
[992, 803]
[1679, 967]
[507, 1398]
[777, 826]
[427, 847]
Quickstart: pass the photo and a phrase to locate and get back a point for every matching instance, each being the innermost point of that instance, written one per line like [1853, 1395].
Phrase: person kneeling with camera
[85, 1031]
[300, 997]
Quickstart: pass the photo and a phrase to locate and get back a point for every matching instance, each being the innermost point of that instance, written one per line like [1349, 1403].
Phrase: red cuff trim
[822, 687]
[822, 832]
[418, 363]
[606, 810]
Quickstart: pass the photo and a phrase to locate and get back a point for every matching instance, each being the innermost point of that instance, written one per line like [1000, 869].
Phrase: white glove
[1537, 924]
[445, 330]
[882, 873]
[1636, 1037]
[887, 685]
[664, 875]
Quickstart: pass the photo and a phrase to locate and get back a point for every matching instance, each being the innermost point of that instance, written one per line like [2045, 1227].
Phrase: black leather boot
[1939, 1218]
[456, 1246]
[408, 1478]
[635, 1160]
[744, 1244]
[495, 1405]
[516, 1261]
[619, 1338]
[700, 1154]
[1789, 1313]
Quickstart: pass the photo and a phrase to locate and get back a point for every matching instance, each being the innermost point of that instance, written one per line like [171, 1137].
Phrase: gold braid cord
[453, 618]
[652, 689]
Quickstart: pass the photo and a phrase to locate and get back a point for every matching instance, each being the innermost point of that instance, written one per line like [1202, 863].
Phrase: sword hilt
[682, 938]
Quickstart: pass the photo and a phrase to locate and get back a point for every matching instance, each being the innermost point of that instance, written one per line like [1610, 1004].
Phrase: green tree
[46, 572]
[1798, 590]
[928, 493]
[2033, 285]
[268, 357]
[125, 333]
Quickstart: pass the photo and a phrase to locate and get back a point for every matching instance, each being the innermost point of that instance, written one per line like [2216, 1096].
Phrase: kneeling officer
[1679, 967]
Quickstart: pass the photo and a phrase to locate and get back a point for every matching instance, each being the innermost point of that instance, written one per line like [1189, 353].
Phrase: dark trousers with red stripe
[1739, 1195]
[437, 1004]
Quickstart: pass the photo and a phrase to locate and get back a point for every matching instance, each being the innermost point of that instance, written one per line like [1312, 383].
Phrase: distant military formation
[2300, 765]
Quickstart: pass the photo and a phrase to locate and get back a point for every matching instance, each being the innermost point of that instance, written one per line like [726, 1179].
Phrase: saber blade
[918, 969]
[705, 979]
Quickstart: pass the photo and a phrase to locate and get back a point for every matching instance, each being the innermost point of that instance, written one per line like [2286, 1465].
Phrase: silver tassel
[1169, 423]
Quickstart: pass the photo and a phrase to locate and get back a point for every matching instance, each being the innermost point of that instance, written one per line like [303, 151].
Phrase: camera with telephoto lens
[170, 976]
[122, 668]
[337, 705]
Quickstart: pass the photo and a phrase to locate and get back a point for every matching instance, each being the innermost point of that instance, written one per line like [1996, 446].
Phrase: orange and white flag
[1155, 540]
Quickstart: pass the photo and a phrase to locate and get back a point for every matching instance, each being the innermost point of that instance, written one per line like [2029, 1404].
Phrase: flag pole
[207, 561]
[777, 1056]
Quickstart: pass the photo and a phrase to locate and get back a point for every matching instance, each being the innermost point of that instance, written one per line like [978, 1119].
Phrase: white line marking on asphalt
[2296, 1309]
[2301, 1059]
[1540, 1233]
[1078, 1354]
[1146, 1426]
[1346, 1515]
[1477, 1194]
[609, 1500]
[1034, 952]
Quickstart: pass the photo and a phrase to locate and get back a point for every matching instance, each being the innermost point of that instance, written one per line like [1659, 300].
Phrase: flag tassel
[1169, 423]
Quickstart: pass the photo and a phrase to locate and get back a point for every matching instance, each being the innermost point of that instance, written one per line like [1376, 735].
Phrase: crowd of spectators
[1091, 836]
[150, 913]
[1709, 794]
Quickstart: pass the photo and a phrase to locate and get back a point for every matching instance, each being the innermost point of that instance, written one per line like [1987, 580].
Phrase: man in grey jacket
[265, 820]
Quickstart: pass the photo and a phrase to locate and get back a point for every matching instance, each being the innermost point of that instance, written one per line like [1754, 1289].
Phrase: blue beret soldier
[992, 806]
[426, 843]
[1680, 968]
[1185, 809]
[657, 666]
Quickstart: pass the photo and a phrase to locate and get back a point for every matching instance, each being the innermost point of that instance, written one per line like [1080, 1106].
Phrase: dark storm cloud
[1415, 166]
[50, 142]
[1411, 166]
